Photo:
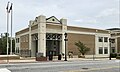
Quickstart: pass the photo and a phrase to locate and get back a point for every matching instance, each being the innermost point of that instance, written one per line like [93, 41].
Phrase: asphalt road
[66, 66]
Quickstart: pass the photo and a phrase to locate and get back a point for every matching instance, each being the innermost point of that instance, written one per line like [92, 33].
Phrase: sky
[100, 14]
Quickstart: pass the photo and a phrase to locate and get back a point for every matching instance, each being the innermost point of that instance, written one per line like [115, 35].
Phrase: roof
[114, 29]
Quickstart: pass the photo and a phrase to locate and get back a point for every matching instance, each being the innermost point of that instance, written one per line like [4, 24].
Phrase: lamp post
[65, 46]
[110, 48]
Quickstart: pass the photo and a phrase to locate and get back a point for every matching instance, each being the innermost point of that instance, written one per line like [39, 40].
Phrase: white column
[60, 46]
[30, 38]
[15, 45]
[42, 34]
[30, 23]
[96, 43]
[103, 45]
[64, 29]
[116, 50]
[63, 43]
[108, 47]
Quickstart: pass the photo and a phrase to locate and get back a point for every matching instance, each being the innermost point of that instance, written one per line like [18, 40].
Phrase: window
[26, 38]
[105, 39]
[17, 49]
[54, 42]
[17, 40]
[105, 50]
[53, 19]
[113, 40]
[100, 50]
[113, 50]
[100, 39]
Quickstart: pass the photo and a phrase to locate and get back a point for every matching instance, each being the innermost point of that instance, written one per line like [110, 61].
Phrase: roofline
[88, 28]
[20, 30]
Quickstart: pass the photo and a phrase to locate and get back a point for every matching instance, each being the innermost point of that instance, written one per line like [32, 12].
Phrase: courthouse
[47, 34]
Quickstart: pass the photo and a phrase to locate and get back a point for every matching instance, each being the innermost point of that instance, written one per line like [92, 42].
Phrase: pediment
[52, 19]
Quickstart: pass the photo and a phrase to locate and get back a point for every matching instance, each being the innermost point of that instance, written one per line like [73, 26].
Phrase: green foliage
[82, 48]
[3, 44]
[113, 55]
[118, 57]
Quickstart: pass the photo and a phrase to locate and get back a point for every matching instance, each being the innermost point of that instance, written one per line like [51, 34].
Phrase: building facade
[44, 35]
[115, 36]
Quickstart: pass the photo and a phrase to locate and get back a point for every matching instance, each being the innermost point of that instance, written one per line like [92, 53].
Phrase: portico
[46, 34]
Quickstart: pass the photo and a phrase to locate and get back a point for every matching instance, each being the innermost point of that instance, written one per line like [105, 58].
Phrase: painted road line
[4, 70]
[91, 69]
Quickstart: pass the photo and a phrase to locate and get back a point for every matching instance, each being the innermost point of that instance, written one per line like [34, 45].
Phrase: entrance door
[53, 43]
[53, 46]
[36, 47]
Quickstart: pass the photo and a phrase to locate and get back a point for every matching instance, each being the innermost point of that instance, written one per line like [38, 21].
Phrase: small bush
[118, 54]
[81, 56]
[113, 55]
[118, 57]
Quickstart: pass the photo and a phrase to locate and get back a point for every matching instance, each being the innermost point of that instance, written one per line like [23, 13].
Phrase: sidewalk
[54, 60]
[18, 61]
[88, 59]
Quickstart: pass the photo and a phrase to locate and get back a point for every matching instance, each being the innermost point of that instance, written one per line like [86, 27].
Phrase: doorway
[53, 46]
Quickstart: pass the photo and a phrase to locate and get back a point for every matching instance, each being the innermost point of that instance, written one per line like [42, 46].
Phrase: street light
[65, 46]
[111, 41]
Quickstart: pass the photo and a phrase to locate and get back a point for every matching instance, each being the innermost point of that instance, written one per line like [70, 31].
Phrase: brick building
[115, 36]
[47, 34]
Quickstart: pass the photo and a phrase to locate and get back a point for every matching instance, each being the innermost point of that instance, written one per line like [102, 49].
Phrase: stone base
[41, 58]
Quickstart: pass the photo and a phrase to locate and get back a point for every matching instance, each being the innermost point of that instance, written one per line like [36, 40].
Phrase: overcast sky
[102, 14]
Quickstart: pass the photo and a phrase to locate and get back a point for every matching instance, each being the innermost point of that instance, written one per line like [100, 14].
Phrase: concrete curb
[54, 60]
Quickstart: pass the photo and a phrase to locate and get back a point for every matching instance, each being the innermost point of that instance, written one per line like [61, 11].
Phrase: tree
[83, 49]
[3, 44]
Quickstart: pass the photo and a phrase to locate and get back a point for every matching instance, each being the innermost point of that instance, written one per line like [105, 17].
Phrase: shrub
[118, 57]
[118, 54]
[113, 55]
[83, 49]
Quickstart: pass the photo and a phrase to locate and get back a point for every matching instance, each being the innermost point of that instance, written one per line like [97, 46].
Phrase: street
[65, 66]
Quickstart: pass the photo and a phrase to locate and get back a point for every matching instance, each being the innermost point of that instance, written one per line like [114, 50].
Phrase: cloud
[79, 20]
[86, 20]
[108, 12]
[117, 0]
